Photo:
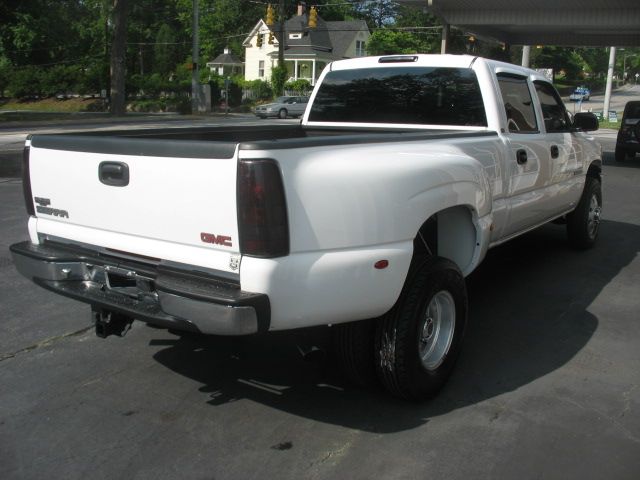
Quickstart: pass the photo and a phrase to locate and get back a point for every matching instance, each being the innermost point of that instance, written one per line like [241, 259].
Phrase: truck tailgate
[155, 195]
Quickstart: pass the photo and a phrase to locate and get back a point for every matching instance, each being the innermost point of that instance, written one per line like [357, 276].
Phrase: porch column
[313, 72]
[295, 69]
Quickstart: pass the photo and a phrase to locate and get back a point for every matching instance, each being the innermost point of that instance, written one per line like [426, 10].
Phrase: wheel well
[451, 234]
[595, 170]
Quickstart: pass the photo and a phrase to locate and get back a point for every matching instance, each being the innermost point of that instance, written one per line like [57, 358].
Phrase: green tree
[165, 58]
[387, 42]
[223, 23]
[560, 59]
[378, 13]
[425, 27]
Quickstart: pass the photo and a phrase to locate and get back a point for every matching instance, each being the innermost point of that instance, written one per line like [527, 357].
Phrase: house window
[261, 68]
[360, 52]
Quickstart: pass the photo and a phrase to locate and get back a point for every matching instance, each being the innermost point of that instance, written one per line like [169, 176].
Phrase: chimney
[301, 8]
[226, 50]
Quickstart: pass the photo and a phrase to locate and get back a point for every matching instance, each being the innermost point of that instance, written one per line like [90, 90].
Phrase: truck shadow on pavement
[529, 316]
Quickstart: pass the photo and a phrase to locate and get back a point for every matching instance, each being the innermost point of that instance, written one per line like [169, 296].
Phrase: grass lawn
[51, 105]
[12, 110]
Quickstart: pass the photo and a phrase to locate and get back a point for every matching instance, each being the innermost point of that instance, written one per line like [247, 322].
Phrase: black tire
[583, 224]
[621, 154]
[353, 345]
[282, 113]
[400, 334]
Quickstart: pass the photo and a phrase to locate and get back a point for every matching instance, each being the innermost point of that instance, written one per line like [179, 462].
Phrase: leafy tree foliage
[376, 13]
[385, 42]
[49, 47]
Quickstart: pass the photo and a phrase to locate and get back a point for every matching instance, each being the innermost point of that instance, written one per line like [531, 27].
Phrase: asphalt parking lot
[547, 387]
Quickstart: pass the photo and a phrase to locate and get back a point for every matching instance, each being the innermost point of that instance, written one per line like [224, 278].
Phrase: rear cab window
[401, 95]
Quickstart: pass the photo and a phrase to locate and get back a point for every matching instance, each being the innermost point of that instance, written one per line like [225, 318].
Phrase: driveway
[547, 385]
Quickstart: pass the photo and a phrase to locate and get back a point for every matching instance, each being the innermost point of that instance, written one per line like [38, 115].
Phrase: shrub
[60, 79]
[25, 82]
[300, 86]
[278, 78]
[261, 89]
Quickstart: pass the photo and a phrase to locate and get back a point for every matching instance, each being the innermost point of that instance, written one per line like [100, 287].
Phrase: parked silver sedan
[283, 107]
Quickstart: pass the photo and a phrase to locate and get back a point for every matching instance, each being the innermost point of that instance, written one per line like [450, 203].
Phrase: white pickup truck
[367, 215]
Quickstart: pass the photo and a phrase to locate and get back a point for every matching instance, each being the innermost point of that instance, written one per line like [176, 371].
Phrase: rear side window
[518, 105]
[553, 111]
[410, 95]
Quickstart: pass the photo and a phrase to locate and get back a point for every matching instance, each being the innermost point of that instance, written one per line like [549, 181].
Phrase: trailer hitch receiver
[110, 323]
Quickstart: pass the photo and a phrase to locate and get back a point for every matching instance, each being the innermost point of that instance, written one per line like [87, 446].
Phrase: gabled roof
[226, 59]
[253, 32]
[343, 33]
[327, 39]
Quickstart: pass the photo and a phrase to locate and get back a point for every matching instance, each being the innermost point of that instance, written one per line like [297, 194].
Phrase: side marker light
[381, 264]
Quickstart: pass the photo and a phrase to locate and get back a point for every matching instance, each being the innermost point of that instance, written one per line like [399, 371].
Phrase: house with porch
[226, 64]
[307, 50]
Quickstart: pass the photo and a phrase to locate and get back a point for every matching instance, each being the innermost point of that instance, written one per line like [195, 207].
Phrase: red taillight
[262, 209]
[26, 182]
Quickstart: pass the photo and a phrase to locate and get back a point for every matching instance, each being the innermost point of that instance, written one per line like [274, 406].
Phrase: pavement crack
[44, 343]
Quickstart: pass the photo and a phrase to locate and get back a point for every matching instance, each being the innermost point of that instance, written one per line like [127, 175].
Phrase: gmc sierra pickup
[367, 215]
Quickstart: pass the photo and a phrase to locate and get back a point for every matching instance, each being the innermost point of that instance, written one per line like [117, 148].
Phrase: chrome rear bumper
[171, 298]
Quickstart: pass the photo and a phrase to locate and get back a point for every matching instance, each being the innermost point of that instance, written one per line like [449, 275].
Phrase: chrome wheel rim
[594, 216]
[436, 330]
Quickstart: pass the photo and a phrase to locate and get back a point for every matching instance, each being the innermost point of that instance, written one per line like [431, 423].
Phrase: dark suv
[628, 143]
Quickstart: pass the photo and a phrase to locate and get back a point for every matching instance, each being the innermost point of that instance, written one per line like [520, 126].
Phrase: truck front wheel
[418, 341]
[583, 223]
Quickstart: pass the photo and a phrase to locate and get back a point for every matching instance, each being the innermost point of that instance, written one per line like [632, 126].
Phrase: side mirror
[586, 121]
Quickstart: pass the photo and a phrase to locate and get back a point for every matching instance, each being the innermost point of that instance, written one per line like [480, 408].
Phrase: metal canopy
[543, 22]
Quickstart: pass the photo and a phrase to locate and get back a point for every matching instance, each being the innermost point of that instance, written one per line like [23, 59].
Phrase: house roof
[343, 33]
[329, 40]
[225, 59]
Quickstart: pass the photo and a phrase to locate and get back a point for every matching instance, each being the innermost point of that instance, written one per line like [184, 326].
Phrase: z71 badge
[44, 208]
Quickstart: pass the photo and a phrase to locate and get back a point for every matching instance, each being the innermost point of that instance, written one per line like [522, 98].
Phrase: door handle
[114, 174]
[555, 151]
[521, 157]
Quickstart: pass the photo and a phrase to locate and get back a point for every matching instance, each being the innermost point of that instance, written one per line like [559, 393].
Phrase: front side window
[409, 95]
[261, 68]
[360, 52]
[553, 111]
[518, 105]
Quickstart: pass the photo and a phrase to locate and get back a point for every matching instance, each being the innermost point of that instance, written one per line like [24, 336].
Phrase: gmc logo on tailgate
[223, 240]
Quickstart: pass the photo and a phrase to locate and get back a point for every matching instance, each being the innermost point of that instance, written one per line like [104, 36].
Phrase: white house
[306, 50]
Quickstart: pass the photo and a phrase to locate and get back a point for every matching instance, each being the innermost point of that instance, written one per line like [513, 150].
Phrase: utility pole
[446, 37]
[195, 71]
[526, 55]
[607, 91]
[118, 51]
[281, 30]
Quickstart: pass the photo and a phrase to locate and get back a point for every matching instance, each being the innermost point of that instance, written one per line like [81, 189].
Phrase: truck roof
[432, 60]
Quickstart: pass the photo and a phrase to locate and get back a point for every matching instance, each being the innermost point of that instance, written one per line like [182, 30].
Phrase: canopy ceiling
[543, 22]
